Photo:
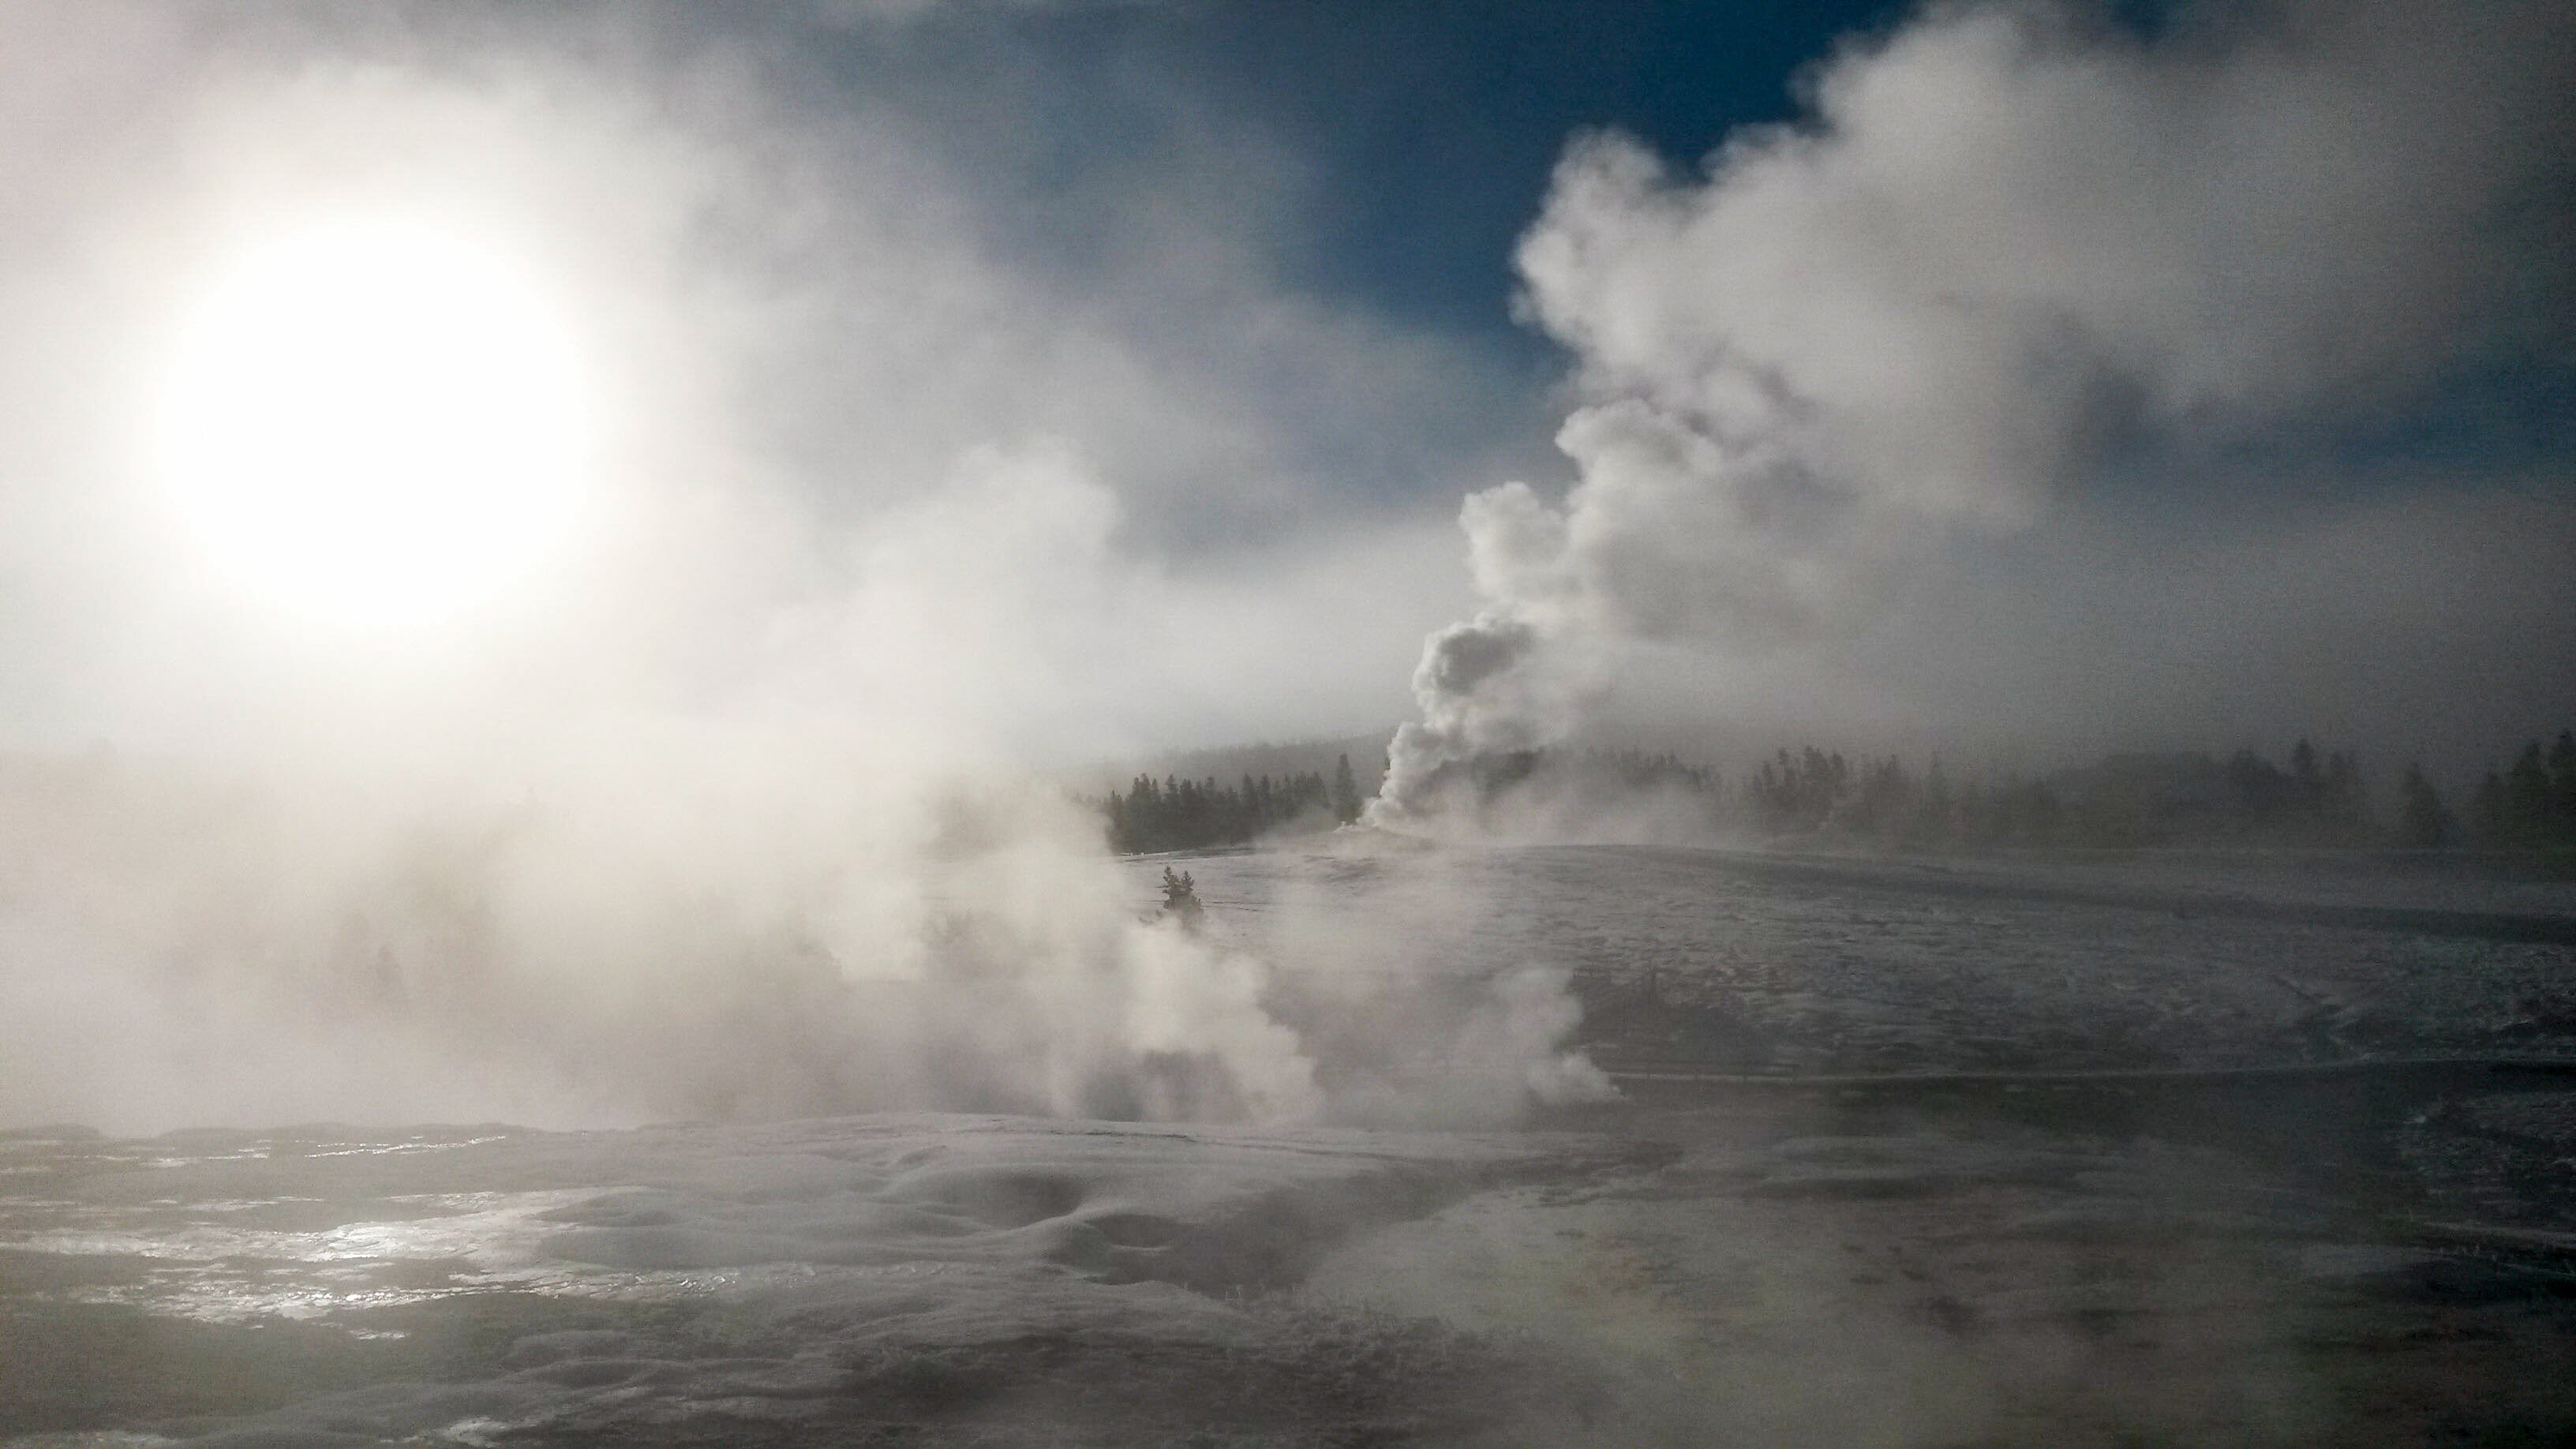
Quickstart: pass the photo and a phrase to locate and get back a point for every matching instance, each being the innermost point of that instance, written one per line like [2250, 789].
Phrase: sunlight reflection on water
[228, 1259]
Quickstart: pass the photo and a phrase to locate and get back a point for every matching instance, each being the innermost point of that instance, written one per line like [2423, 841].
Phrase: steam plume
[2008, 243]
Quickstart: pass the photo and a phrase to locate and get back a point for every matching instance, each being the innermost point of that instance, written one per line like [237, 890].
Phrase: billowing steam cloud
[838, 891]
[2010, 242]
[742, 809]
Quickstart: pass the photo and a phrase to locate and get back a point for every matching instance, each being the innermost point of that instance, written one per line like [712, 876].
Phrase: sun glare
[375, 422]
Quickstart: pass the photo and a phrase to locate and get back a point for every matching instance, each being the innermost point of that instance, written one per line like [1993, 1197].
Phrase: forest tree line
[2312, 800]
[2531, 806]
[1175, 814]
[2122, 801]
[2309, 799]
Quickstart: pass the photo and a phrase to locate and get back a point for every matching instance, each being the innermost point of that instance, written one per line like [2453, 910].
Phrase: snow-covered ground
[833, 1278]
[1867, 1185]
[1774, 964]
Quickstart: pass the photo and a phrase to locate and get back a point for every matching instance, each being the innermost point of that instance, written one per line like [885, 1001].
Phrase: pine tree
[2527, 798]
[2489, 820]
[2562, 785]
[2347, 803]
[1938, 819]
[1181, 897]
[2422, 822]
[1346, 792]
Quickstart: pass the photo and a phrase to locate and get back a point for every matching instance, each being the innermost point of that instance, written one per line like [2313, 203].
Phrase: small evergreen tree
[2487, 815]
[2303, 765]
[1937, 822]
[2422, 822]
[2347, 802]
[2527, 801]
[1346, 792]
[2562, 785]
[1181, 897]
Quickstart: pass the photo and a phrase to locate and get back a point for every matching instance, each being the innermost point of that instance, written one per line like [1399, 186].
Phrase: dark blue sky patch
[1443, 120]
[1430, 128]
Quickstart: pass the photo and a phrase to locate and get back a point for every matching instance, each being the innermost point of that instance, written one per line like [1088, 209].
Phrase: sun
[375, 421]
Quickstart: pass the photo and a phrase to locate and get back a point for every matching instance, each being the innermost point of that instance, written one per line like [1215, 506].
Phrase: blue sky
[1435, 125]
[1428, 129]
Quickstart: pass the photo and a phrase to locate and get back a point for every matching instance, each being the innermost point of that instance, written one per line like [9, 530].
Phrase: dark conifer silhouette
[1181, 897]
[2317, 799]
[2528, 807]
[2422, 821]
[2488, 817]
[2562, 783]
[1197, 814]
